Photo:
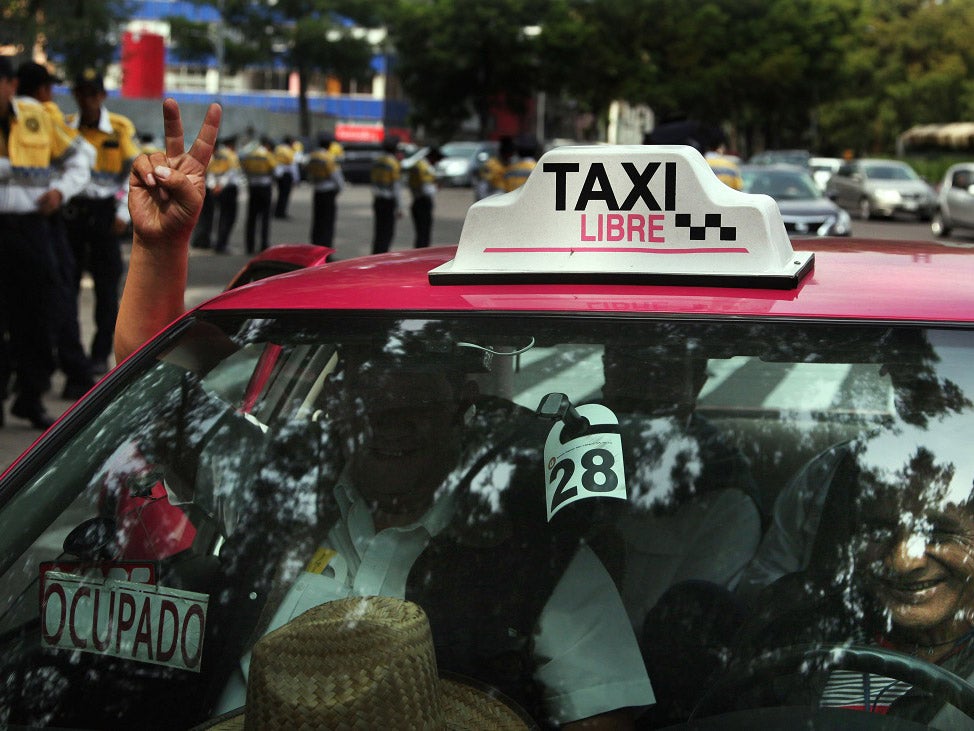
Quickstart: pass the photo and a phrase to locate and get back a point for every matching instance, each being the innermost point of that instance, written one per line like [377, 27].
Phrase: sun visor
[639, 214]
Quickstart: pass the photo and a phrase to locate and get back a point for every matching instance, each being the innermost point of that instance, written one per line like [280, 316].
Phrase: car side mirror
[831, 195]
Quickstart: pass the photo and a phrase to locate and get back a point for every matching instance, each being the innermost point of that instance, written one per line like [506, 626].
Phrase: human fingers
[205, 141]
[143, 167]
[175, 185]
[173, 124]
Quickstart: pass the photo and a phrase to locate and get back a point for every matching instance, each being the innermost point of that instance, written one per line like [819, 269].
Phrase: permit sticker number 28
[586, 466]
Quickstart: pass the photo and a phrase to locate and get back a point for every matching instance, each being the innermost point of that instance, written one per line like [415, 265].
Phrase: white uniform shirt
[107, 185]
[592, 661]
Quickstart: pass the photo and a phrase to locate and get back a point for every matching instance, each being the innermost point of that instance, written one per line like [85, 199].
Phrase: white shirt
[592, 661]
[107, 185]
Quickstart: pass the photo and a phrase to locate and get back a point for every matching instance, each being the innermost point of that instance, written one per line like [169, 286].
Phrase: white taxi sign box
[637, 214]
[125, 619]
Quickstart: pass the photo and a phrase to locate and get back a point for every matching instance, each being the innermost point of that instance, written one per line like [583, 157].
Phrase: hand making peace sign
[166, 192]
[167, 188]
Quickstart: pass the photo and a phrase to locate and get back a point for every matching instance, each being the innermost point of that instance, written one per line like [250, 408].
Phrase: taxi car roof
[852, 279]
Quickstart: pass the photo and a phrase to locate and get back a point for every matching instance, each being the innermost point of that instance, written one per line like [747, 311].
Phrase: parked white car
[955, 201]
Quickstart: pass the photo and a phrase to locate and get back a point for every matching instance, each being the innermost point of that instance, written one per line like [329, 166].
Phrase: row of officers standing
[503, 173]
[263, 165]
[63, 207]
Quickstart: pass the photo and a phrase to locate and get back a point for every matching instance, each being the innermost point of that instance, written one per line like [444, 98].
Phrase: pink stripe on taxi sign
[609, 249]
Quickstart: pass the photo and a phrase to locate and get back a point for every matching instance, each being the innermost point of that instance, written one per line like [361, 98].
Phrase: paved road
[209, 273]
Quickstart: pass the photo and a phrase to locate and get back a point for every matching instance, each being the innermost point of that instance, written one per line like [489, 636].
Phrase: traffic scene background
[209, 273]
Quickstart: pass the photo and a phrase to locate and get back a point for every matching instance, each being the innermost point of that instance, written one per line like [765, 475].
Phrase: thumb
[174, 184]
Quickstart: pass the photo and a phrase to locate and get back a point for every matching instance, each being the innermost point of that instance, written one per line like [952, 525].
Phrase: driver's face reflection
[920, 565]
[404, 437]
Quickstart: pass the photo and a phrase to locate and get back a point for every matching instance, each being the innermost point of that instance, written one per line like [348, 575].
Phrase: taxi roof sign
[639, 214]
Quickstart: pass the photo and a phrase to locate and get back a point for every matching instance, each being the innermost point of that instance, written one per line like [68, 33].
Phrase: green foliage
[85, 33]
[831, 75]
[455, 59]
[905, 63]
[933, 167]
[194, 39]
[306, 34]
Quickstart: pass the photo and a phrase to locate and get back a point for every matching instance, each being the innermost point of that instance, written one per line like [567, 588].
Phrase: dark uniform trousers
[258, 211]
[284, 185]
[323, 217]
[227, 203]
[384, 210]
[203, 231]
[422, 211]
[28, 281]
[71, 356]
[91, 223]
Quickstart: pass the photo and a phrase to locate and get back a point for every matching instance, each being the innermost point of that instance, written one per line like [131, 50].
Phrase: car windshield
[782, 185]
[460, 149]
[789, 157]
[582, 501]
[890, 172]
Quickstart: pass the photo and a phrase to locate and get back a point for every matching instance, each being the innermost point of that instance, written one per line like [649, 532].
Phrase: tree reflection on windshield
[694, 496]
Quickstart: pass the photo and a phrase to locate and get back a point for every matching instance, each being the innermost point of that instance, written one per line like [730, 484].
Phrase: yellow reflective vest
[38, 154]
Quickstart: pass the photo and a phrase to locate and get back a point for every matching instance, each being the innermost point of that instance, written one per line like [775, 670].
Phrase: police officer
[386, 186]
[284, 173]
[337, 151]
[258, 165]
[228, 179]
[490, 180]
[35, 81]
[422, 184]
[327, 181]
[203, 232]
[518, 171]
[32, 146]
[99, 214]
[725, 168]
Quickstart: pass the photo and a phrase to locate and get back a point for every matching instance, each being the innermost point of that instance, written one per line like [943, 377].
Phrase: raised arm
[166, 192]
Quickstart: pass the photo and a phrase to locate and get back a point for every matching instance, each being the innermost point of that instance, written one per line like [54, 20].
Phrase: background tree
[759, 66]
[456, 60]
[80, 33]
[905, 63]
[306, 35]
[594, 52]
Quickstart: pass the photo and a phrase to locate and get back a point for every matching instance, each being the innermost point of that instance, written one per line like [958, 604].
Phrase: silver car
[462, 160]
[955, 204]
[804, 208]
[875, 187]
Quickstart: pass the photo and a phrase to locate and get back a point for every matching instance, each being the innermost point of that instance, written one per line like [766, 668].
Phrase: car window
[890, 172]
[961, 179]
[460, 149]
[781, 184]
[591, 488]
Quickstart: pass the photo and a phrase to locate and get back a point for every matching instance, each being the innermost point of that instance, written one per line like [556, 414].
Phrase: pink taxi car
[639, 459]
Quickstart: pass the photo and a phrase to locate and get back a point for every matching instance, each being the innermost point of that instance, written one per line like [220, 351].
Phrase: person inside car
[689, 474]
[549, 620]
[904, 580]
[926, 385]
[404, 518]
[697, 501]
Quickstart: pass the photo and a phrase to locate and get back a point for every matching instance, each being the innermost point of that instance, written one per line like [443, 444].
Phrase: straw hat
[362, 663]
